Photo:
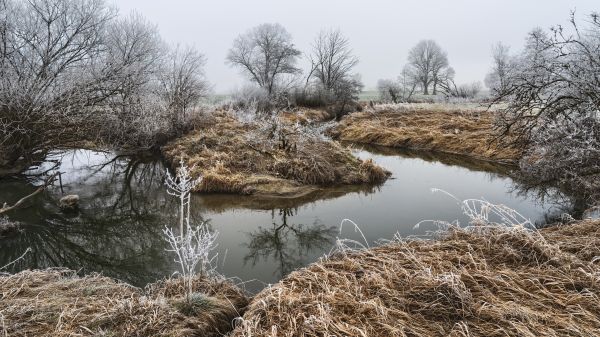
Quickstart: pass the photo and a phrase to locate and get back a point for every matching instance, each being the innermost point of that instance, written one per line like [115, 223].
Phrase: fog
[380, 31]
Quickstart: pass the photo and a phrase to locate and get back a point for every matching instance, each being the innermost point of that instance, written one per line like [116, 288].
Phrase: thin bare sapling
[193, 244]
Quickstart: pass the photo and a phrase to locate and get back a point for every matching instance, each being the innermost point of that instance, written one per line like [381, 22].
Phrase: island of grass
[268, 156]
[464, 129]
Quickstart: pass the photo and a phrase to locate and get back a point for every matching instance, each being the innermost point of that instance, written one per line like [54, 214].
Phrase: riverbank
[486, 281]
[268, 158]
[59, 303]
[482, 281]
[463, 129]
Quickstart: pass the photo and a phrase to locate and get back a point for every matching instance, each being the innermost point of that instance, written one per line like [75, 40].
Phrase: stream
[124, 207]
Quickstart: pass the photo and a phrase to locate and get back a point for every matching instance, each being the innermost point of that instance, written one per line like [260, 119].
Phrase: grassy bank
[480, 281]
[59, 303]
[257, 158]
[465, 129]
[487, 281]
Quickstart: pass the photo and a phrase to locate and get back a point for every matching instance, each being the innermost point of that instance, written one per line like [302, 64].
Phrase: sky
[381, 32]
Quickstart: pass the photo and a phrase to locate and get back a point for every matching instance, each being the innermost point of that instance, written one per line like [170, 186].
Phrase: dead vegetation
[59, 303]
[465, 129]
[482, 281]
[255, 157]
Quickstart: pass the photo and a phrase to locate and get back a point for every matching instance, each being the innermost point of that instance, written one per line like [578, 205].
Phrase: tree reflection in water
[287, 244]
[118, 229]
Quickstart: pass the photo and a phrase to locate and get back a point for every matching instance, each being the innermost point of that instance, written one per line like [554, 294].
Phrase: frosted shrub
[192, 244]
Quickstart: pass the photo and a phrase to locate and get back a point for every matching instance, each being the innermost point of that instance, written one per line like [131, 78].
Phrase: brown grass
[59, 303]
[230, 160]
[437, 128]
[488, 281]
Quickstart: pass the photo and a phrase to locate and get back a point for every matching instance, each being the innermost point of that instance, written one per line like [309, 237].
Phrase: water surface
[124, 208]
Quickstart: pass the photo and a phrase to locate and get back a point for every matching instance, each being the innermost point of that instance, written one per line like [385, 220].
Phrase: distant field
[368, 95]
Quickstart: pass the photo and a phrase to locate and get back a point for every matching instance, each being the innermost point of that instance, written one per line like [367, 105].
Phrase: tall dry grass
[481, 281]
[236, 156]
[466, 129]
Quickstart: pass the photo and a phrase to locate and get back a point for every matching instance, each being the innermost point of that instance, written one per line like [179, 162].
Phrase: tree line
[76, 70]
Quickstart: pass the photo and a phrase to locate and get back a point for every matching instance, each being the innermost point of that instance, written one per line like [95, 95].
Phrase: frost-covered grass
[246, 152]
[465, 128]
[59, 303]
[488, 279]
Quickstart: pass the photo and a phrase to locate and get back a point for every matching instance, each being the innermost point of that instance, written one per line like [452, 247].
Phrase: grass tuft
[59, 303]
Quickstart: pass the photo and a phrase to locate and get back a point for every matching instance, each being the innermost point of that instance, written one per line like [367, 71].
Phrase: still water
[124, 208]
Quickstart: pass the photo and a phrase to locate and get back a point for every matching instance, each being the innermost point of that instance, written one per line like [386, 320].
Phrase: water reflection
[115, 231]
[285, 243]
[124, 207]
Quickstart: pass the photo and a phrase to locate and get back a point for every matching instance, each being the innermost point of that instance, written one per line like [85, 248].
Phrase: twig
[5, 208]
[17, 260]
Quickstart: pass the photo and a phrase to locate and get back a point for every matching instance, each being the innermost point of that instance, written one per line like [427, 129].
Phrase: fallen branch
[47, 182]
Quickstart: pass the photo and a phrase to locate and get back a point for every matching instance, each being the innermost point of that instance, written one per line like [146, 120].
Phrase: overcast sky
[380, 31]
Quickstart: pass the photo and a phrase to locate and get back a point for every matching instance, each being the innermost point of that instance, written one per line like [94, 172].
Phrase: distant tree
[427, 61]
[331, 59]
[400, 90]
[346, 92]
[264, 53]
[182, 82]
[503, 64]
[389, 91]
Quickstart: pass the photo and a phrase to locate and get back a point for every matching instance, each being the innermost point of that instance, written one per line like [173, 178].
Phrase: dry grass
[232, 158]
[457, 129]
[58, 303]
[486, 281]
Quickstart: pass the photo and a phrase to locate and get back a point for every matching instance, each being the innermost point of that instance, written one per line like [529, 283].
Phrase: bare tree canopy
[72, 70]
[553, 105]
[503, 64]
[332, 60]
[182, 82]
[556, 77]
[264, 53]
[427, 61]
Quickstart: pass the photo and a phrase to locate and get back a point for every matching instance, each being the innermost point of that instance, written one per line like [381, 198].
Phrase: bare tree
[389, 91]
[264, 53]
[72, 70]
[182, 82]
[331, 59]
[47, 49]
[553, 98]
[400, 90]
[427, 61]
[346, 94]
[503, 64]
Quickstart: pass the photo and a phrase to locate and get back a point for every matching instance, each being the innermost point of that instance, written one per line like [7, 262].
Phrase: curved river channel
[124, 208]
